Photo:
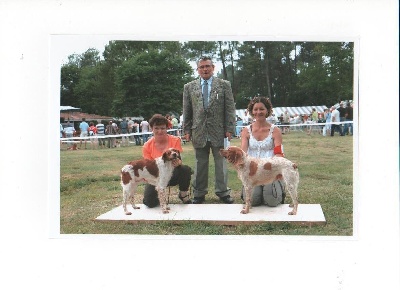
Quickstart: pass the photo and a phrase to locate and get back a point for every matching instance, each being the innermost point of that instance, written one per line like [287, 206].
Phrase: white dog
[257, 171]
[157, 172]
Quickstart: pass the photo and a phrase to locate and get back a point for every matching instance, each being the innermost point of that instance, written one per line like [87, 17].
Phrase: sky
[78, 44]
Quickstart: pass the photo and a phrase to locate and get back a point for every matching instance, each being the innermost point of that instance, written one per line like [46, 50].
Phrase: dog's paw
[245, 211]
[292, 212]
[136, 207]
[128, 213]
[165, 211]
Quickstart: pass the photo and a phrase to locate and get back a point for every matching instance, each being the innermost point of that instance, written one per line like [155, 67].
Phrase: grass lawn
[90, 187]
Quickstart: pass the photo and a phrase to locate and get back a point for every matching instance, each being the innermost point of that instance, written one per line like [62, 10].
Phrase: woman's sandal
[185, 199]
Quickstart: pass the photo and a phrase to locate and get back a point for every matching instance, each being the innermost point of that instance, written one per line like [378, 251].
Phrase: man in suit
[208, 117]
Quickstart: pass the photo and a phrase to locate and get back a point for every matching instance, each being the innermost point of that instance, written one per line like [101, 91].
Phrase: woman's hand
[176, 162]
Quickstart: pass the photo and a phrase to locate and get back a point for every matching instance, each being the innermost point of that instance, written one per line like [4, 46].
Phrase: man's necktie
[205, 94]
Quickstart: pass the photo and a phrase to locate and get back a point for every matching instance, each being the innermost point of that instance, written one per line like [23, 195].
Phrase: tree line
[140, 78]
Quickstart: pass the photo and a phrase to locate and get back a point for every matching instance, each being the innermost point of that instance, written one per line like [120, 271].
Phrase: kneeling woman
[262, 139]
[154, 148]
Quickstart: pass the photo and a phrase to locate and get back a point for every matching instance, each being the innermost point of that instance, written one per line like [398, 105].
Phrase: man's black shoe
[198, 200]
[226, 199]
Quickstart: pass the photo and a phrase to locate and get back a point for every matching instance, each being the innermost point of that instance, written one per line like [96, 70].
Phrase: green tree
[70, 74]
[325, 73]
[151, 82]
[135, 75]
[196, 49]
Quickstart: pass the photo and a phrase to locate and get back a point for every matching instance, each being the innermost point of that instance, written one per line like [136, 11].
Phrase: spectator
[110, 130]
[209, 118]
[327, 128]
[168, 117]
[314, 120]
[296, 119]
[335, 118]
[348, 127]
[136, 130]
[69, 131]
[342, 112]
[246, 118]
[144, 126]
[92, 135]
[286, 122]
[272, 119]
[239, 125]
[130, 128]
[84, 127]
[169, 127]
[175, 125]
[62, 134]
[262, 139]
[154, 148]
[100, 133]
[124, 130]
[280, 118]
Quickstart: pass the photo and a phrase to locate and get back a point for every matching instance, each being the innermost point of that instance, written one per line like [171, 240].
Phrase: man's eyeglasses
[204, 66]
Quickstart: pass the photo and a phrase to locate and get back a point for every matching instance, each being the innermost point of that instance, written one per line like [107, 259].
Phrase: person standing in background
[348, 127]
[144, 126]
[110, 130]
[327, 127]
[130, 129]
[84, 127]
[314, 120]
[335, 118]
[69, 131]
[124, 130]
[286, 121]
[92, 135]
[136, 130]
[175, 124]
[100, 133]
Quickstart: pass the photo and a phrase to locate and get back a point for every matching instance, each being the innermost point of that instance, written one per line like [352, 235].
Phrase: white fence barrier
[179, 131]
[69, 139]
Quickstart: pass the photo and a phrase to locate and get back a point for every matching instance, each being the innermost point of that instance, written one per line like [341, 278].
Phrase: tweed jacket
[211, 123]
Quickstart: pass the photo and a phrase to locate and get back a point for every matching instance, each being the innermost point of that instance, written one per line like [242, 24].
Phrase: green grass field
[90, 187]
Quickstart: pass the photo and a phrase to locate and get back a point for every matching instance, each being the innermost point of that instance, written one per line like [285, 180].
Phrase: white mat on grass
[226, 214]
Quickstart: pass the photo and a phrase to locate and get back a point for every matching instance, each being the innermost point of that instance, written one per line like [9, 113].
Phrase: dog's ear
[239, 160]
[235, 155]
[165, 155]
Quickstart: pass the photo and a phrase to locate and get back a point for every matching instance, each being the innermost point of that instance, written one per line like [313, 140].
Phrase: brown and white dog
[257, 171]
[157, 172]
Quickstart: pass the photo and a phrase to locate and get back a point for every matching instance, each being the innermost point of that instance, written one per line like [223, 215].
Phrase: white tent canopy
[69, 108]
[305, 110]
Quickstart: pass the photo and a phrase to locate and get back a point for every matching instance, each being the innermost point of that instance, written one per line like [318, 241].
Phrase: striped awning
[69, 108]
[304, 110]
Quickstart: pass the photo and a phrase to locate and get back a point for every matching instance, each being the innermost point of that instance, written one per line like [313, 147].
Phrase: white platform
[225, 214]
